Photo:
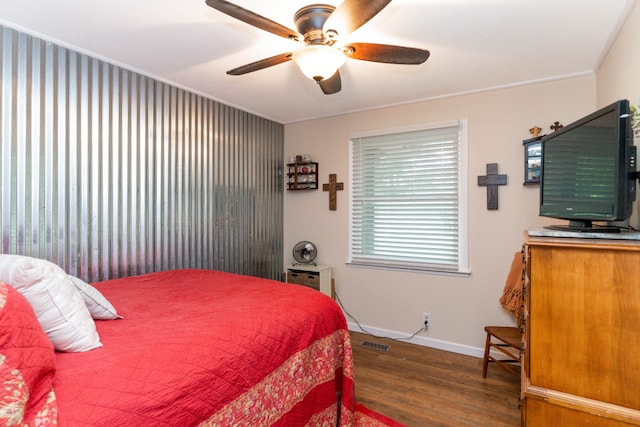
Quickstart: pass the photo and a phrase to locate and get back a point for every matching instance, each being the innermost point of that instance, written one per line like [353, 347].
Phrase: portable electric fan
[305, 252]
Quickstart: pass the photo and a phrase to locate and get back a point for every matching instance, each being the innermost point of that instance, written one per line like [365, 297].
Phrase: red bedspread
[199, 347]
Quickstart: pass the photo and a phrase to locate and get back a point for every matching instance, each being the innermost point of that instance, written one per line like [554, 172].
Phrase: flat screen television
[589, 171]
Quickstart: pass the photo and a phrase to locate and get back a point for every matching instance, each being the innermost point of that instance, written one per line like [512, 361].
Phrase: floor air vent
[377, 346]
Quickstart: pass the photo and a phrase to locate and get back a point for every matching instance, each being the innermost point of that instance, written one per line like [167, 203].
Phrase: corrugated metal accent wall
[109, 173]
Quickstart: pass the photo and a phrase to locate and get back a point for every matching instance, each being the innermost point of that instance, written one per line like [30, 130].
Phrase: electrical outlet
[426, 320]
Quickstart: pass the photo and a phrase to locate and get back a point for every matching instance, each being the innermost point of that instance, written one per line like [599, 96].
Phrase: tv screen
[588, 171]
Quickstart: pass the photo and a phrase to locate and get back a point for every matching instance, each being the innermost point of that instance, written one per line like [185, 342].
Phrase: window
[408, 198]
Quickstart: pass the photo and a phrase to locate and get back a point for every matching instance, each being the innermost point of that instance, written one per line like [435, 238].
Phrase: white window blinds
[405, 200]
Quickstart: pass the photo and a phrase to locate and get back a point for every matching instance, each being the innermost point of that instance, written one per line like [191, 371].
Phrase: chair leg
[485, 362]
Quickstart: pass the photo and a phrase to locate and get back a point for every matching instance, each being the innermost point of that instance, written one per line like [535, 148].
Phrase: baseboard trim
[419, 340]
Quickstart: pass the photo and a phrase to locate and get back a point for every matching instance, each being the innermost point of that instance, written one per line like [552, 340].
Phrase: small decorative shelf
[302, 176]
[532, 160]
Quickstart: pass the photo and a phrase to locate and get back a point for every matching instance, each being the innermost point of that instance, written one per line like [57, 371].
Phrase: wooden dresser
[581, 361]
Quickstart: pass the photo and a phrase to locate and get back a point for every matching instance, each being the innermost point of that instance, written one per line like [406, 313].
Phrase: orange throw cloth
[511, 298]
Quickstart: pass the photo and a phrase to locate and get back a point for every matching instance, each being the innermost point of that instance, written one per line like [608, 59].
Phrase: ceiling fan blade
[331, 85]
[386, 53]
[261, 64]
[352, 14]
[254, 19]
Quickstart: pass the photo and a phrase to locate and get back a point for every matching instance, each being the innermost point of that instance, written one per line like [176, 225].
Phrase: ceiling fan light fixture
[317, 61]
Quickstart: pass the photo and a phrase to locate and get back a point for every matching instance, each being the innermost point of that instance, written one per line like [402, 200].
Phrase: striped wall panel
[109, 173]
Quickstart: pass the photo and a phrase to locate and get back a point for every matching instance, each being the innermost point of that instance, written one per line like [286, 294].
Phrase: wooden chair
[507, 340]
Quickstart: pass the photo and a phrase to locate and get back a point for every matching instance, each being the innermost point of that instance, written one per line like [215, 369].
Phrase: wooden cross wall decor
[555, 126]
[491, 181]
[332, 187]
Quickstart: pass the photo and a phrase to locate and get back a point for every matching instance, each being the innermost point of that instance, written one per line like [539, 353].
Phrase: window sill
[409, 269]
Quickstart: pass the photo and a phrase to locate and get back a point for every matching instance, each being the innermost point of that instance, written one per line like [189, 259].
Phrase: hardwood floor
[421, 386]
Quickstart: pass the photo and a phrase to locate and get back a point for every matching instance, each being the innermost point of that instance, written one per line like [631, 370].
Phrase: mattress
[202, 347]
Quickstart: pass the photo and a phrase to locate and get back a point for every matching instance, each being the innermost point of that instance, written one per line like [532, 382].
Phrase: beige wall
[619, 75]
[392, 302]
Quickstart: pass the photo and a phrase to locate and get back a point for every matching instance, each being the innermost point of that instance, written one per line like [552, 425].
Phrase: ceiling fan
[319, 28]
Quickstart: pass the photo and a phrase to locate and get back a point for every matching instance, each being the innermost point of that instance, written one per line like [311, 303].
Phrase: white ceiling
[475, 45]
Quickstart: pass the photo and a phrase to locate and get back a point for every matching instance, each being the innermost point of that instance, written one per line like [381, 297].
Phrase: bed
[200, 347]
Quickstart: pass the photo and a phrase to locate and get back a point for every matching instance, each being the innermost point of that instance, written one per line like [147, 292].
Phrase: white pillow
[55, 300]
[99, 307]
